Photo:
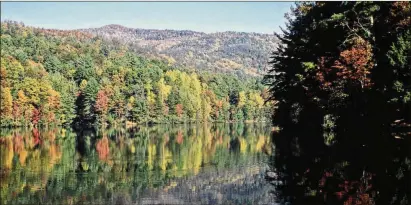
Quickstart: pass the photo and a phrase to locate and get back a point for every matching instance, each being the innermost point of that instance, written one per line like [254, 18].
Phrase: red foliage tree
[35, 117]
[355, 63]
[351, 68]
[101, 105]
[179, 110]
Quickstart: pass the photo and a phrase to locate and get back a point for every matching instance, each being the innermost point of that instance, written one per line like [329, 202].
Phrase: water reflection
[307, 171]
[223, 163]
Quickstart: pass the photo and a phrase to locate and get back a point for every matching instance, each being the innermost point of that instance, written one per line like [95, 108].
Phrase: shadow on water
[304, 170]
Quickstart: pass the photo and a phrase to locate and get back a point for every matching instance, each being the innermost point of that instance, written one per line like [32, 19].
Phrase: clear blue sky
[261, 17]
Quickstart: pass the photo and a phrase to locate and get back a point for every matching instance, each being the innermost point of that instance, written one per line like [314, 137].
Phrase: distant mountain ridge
[236, 52]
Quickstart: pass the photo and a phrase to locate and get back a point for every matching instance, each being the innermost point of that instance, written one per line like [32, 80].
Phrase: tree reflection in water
[307, 171]
[158, 164]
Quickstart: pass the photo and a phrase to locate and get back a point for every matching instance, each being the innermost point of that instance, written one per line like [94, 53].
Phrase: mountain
[238, 52]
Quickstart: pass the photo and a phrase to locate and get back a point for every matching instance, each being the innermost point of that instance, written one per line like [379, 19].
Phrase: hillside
[234, 52]
[63, 77]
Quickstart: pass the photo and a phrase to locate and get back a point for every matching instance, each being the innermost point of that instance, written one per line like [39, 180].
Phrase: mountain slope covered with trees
[60, 77]
[233, 52]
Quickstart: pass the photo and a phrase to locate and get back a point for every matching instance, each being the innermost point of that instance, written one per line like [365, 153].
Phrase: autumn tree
[101, 106]
[179, 110]
[357, 81]
[6, 104]
[61, 73]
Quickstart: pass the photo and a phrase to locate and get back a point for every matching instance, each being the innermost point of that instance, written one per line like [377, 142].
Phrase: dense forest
[358, 78]
[63, 77]
[230, 52]
[342, 81]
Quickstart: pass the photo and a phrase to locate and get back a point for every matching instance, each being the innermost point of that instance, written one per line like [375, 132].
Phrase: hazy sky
[261, 17]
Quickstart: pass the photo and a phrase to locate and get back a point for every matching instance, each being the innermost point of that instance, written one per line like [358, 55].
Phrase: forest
[55, 77]
[358, 78]
[229, 52]
[342, 81]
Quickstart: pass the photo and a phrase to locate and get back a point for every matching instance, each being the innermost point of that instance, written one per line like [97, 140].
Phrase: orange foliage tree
[179, 110]
[101, 105]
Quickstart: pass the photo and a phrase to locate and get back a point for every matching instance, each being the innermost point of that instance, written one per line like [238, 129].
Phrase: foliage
[361, 75]
[341, 79]
[61, 77]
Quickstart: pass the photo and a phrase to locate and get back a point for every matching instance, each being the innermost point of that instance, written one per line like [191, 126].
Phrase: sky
[209, 17]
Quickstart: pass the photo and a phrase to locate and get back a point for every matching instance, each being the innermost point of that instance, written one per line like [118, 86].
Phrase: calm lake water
[191, 164]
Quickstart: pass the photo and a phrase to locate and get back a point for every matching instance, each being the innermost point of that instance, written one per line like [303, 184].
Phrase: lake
[200, 164]
[163, 164]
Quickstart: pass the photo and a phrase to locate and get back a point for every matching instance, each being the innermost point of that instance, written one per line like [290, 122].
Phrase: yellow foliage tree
[6, 103]
[163, 89]
[241, 99]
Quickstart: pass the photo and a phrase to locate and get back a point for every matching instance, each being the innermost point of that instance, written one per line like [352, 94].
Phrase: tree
[179, 110]
[206, 103]
[6, 103]
[35, 118]
[348, 77]
[86, 101]
[101, 105]
[241, 99]
[21, 107]
[84, 69]
[163, 93]
[400, 87]
[51, 107]
[140, 111]
[58, 75]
